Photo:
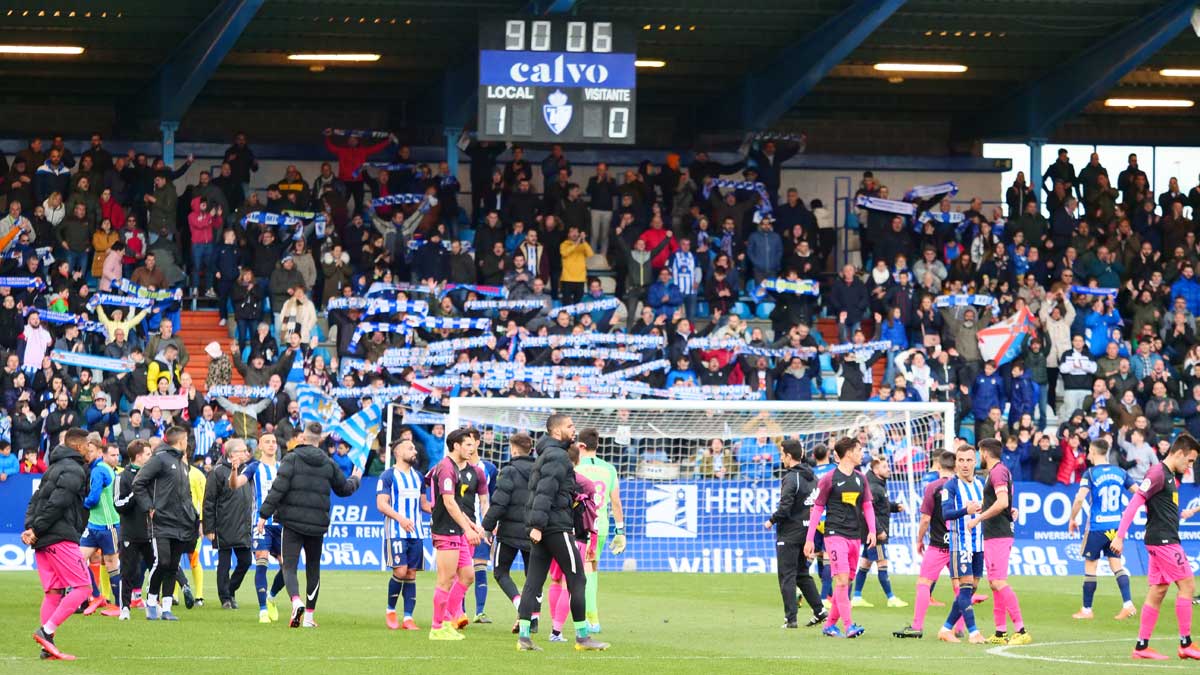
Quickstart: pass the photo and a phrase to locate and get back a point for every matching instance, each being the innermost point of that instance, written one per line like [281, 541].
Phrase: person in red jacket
[653, 237]
[203, 221]
[350, 158]
[1074, 458]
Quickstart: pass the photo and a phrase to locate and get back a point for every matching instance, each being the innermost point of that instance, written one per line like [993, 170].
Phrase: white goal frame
[898, 412]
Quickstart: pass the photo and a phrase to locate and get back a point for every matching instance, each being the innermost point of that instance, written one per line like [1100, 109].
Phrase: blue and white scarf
[83, 360]
[166, 294]
[919, 192]
[450, 323]
[866, 347]
[397, 200]
[458, 344]
[373, 392]
[66, 319]
[358, 133]
[946, 218]
[380, 287]
[375, 306]
[118, 300]
[585, 339]
[514, 305]
[601, 353]
[603, 304]
[34, 283]
[797, 287]
[764, 207]
[239, 391]
[888, 205]
[365, 327]
[1088, 290]
[966, 300]
[641, 369]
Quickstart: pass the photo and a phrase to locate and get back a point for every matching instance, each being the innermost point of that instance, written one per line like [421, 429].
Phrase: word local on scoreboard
[557, 81]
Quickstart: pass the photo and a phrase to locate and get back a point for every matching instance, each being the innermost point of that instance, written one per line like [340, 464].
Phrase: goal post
[699, 478]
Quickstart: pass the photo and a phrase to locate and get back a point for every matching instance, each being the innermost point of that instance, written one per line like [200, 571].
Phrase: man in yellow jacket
[575, 252]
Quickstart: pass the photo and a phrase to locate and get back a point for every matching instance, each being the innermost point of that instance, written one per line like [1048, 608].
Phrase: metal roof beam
[186, 71]
[769, 93]
[1037, 109]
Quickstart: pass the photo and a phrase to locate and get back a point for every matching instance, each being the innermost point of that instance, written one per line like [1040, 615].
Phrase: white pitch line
[461, 657]
[1003, 650]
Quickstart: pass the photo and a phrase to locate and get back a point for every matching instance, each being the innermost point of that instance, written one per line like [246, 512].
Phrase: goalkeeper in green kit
[608, 491]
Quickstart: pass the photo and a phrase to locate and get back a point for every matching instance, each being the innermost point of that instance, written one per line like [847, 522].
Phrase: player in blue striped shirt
[401, 499]
[265, 541]
[483, 552]
[962, 497]
[1104, 488]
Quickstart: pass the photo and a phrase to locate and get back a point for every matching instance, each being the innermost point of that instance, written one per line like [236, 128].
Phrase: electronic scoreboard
[557, 81]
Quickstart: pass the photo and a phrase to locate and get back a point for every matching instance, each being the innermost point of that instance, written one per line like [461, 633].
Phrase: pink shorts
[556, 573]
[935, 560]
[61, 566]
[1168, 564]
[451, 542]
[995, 557]
[842, 553]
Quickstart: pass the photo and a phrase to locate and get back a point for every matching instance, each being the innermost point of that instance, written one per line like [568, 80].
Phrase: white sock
[166, 603]
[152, 600]
[308, 614]
[1129, 604]
[517, 602]
[48, 628]
[297, 602]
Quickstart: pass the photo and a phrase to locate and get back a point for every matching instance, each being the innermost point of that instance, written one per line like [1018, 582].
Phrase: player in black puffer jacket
[299, 500]
[551, 521]
[507, 513]
[54, 523]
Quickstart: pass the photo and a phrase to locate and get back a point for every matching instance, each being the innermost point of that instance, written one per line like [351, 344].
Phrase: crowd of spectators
[684, 256]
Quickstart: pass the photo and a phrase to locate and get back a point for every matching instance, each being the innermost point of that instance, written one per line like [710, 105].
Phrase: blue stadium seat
[741, 310]
[764, 309]
[826, 362]
[829, 386]
[702, 311]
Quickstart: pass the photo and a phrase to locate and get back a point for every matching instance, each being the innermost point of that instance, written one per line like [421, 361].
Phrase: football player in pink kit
[997, 521]
[936, 556]
[845, 499]
[455, 535]
[1159, 493]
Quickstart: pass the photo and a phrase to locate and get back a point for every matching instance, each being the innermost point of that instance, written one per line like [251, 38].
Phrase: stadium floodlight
[650, 63]
[334, 57]
[1180, 72]
[60, 50]
[688, 520]
[921, 67]
[1149, 103]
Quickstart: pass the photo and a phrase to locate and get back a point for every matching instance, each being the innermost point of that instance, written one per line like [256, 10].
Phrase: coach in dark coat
[227, 521]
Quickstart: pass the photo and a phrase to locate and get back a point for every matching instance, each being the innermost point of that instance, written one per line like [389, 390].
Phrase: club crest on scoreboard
[557, 112]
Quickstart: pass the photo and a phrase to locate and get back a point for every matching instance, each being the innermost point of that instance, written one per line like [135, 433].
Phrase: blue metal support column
[1037, 109]
[452, 135]
[168, 143]
[186, 71]
[769, 93]
[548, 7]
[1035, 171]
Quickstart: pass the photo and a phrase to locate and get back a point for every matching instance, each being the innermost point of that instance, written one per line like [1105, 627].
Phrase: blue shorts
[269, 541]
[966, 564]
[483, 550]
[408, 553]
[873, 553]
[102, 538]
[1096, 544]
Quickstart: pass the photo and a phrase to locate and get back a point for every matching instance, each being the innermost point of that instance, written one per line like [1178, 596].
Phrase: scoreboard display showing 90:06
[557, 81]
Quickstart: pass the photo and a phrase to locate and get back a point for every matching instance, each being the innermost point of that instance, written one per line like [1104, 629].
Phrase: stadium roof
[725, 61]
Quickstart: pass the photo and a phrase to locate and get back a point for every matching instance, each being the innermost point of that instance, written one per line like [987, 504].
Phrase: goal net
[699, 478]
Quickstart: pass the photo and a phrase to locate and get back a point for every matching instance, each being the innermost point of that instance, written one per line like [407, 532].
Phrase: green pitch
[657, 623]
